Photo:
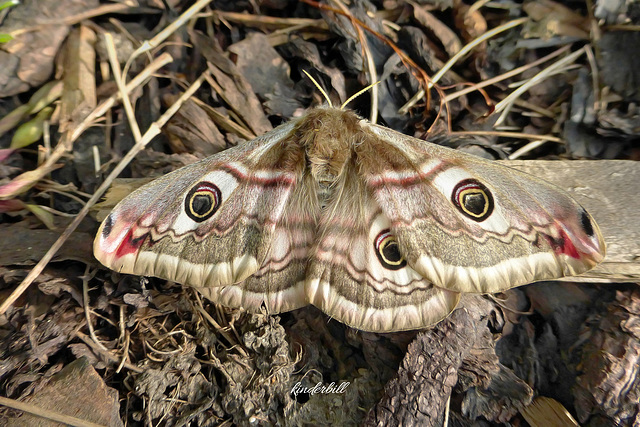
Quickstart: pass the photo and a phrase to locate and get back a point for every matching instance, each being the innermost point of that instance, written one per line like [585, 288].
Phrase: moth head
[473, 199]
[202, 201]
[388, 252]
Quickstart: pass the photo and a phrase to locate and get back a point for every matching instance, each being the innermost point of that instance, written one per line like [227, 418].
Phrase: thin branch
[450, 63]
[46, 413]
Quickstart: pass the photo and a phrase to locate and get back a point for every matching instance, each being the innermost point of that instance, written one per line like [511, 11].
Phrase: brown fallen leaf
[28, 58]
[76, 391]
[231, 86]
[191, 130]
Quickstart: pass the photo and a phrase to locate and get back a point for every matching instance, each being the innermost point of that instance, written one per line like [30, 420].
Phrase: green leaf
[45, 216]
[4, 38]
[8, 3]
[31, 131]
[46, 95]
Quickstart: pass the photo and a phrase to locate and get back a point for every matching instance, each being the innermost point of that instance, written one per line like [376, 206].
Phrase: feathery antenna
[319, 88]
[351, 98]
[357, 94]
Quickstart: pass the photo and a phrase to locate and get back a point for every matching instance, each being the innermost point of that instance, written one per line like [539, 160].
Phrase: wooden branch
[457, 352]
[419, 394]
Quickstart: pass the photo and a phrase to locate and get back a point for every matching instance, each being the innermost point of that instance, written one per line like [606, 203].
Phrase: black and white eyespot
[388, 252]
[473, 199]
[202, 201]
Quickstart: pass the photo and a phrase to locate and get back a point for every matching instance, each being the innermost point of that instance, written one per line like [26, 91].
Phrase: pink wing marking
[405, 178]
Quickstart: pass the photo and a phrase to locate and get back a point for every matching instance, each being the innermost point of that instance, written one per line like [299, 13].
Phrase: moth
[379, 230]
